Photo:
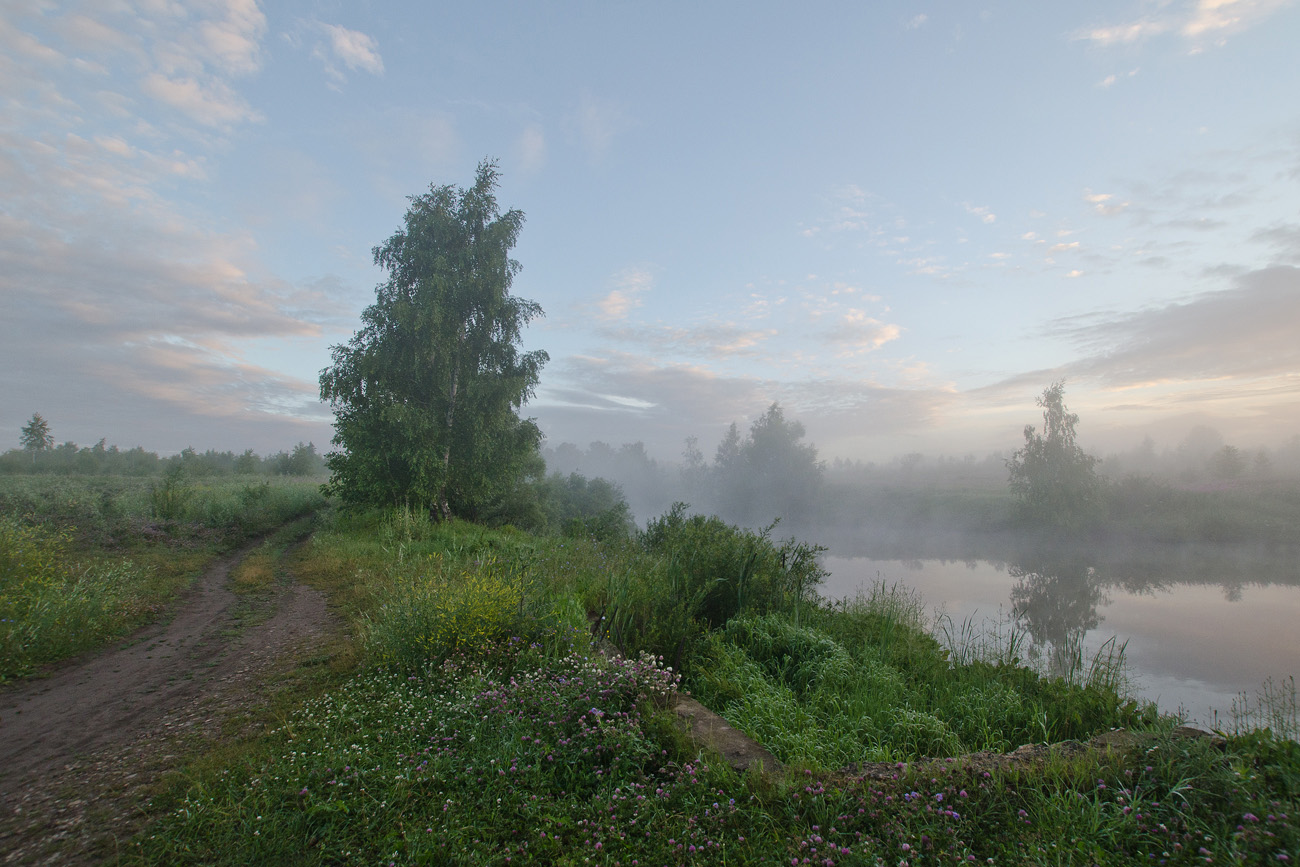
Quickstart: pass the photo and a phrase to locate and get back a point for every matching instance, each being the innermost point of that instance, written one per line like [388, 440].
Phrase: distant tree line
[39, 455]
[770, 473]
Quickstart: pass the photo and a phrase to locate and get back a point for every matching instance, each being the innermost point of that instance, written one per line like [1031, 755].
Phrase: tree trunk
[442, 506]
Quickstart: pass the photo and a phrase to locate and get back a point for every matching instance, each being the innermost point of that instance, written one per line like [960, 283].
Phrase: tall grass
[52, 606]
[108, 511]
[1272, 709]
[84, 560]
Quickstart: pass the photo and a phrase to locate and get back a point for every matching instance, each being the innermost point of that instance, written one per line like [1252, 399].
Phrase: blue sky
[900, 220]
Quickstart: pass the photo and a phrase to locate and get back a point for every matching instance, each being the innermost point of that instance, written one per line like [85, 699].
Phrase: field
[86, 560]
[502, 697]
[485, 725]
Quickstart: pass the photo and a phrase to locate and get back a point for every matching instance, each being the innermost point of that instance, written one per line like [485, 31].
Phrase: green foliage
[768, 475]
[430, 615]
[425, 394]
[36, 436]
[866, 683]
[101, 459]
[512, 752]
[51, 606]
[86, 560]
[302, 461]
[1053, 478]
[580, 507]
[695, 574]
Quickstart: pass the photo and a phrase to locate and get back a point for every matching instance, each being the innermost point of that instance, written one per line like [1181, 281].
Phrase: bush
[429, 616]
[696, 574]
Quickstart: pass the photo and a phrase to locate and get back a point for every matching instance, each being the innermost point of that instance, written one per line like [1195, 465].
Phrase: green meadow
[85, 560]
[502, 700]
[501, 697]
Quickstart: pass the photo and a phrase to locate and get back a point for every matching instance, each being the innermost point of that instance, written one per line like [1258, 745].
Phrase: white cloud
[134, 321]
[1125, 33]
[234, 41]
[629, 284]
[1213, 16]
[713, 341]
[211, 103]
[1104, 203]
[355, 49]
[1193, 21]
[857, 333]
[660, 404]
[985, 215]
[917, 22]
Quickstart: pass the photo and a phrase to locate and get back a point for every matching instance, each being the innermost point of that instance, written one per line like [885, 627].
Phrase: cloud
[711, 341]
[1193, 21]
[233, 41]
[917, 22]
[630, 283]
[212, 103]
[619, 398]
[985, 214]
[1284, 238]
[1214, 16]
[354, 49]
[1104, 203]
[1243, 333]
[857, 333]
[1120, 34]
[124, 317]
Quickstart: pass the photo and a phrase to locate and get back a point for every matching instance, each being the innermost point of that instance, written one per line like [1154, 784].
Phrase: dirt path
[79, 749]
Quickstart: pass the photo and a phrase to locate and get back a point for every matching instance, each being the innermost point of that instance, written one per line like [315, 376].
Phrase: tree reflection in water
[1055, 600]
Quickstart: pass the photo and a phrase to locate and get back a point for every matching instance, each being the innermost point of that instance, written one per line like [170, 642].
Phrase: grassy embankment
[85, 560]
[481, 725]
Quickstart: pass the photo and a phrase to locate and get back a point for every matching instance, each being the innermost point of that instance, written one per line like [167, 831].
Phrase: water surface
[1200, 626]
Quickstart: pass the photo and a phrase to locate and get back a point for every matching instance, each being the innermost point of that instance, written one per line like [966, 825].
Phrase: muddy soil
[82, 749]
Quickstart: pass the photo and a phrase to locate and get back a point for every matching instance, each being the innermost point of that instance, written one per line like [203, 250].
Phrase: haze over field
[901, 221]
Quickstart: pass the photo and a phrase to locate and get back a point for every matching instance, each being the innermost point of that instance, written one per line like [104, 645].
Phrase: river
[1200, 625]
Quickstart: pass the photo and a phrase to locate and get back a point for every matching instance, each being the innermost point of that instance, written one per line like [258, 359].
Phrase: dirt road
[80, 748]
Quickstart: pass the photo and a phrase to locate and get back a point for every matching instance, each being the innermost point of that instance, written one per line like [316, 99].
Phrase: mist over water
[1193, 571]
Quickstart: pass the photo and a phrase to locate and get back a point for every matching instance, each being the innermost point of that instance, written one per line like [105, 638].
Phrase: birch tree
[426, 394]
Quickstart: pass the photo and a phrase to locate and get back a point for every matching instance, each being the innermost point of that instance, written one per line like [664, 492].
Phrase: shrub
[429, 616]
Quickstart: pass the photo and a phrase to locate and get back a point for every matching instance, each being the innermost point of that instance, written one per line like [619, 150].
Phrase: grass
[518, 742]
[476, 717]
[86, 560]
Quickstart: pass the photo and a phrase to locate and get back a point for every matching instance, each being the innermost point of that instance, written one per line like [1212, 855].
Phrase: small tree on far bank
[36, 436]
[1054, 479]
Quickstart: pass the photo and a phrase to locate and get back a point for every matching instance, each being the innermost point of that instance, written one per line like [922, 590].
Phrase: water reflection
[1201, 623]
[1055, 599]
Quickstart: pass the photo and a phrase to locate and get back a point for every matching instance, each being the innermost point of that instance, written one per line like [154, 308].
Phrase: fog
[768, 471]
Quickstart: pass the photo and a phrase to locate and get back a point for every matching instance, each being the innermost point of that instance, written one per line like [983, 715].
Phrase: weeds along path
[79, 749]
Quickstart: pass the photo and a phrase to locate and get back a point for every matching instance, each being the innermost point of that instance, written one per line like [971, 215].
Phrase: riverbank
[517, 742]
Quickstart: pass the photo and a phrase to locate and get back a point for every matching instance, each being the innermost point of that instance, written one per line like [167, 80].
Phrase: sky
[901, 221]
